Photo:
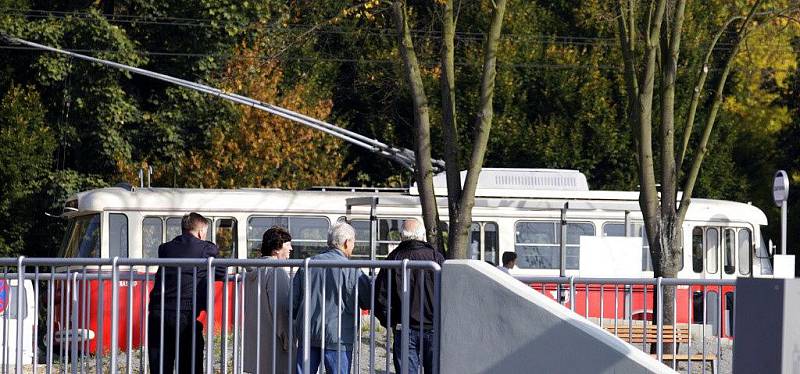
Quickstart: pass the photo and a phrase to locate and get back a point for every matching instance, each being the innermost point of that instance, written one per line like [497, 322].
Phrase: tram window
[82, 238]
[712, 246]
[117, 235]
[152, 236]
[729, 304]
[225, 237]
[697, 307]
[491, 243]
[712, 311]
[697, 250]
[729, 250]
[362, 249]
[388, 235]
[174, 228]
[538, 243]
[475, 241]
[256, 227]
[745, 243]
[309, 234]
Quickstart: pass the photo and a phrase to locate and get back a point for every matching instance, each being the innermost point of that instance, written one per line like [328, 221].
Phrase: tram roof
[275, 200]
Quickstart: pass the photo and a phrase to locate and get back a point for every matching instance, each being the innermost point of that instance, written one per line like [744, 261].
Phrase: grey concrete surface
[767, 326]
[492, 323]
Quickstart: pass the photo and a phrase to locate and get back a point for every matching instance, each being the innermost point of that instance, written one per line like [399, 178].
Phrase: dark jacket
[183, 246]
[413, 250]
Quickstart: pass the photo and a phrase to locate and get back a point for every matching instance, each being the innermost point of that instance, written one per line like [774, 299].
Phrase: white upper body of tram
[515, 210]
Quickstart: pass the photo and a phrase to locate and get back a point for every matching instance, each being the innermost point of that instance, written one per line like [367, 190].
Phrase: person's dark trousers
[331, 363]
[414, 354]
[166, 350]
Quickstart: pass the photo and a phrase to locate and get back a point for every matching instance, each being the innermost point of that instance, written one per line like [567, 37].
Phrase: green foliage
[24, 163]
[559, 102]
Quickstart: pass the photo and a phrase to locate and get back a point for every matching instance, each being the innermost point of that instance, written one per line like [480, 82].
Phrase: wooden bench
[638, 333]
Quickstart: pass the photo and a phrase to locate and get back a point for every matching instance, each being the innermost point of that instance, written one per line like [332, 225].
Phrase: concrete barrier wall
[492, 323]
[767, 326]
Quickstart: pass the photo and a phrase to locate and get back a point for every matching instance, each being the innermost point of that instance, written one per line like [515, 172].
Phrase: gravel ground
[724, 362]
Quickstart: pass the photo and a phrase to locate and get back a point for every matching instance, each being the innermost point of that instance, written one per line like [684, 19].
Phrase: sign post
[780, 193]
[783, 263]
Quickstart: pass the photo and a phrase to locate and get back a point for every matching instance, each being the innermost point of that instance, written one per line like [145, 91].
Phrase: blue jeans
[330, 360]
[414, 354]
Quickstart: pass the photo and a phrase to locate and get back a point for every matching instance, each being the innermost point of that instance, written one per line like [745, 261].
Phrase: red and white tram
[516, 210]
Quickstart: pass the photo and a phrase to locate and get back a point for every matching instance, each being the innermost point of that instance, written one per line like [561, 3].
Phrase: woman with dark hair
[275, 322]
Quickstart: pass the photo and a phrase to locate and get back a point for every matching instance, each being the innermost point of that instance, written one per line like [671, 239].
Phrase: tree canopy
[559, 97]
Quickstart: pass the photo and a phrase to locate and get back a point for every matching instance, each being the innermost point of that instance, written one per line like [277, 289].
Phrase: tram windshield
[82, 238]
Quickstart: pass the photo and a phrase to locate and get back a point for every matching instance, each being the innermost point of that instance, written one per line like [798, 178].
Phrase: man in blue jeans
[420, 329]
[334, 312]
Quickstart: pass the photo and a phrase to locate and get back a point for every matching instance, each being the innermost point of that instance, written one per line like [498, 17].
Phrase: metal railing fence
[626, 307]
[96, 315]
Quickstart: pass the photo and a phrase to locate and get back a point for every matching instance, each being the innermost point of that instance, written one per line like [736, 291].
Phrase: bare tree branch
[423, 169]
[483, 126]
[691, 178]
[670, 44]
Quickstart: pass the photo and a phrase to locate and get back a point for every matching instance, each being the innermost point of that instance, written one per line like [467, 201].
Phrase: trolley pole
[563, 249]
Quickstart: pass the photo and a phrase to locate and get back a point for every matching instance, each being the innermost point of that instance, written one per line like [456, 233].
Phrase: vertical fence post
[405, 320]
[114, 312]
[210, 316]
[101, 327]
[372, 318]
[660, 318]
[20, 295]
[36, 320]
[437, 305]
[130, 320]
[572, 292]
[306, 319]
[73, 318]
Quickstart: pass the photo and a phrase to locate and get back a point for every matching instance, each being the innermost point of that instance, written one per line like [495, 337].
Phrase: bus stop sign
[4, 295]
[780, 188]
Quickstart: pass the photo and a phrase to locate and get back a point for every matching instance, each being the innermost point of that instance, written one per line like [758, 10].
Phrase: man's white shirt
[503, 269]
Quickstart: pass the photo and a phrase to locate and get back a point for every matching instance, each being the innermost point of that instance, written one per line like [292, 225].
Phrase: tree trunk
[449, 124]
[460, 230]
[663, 216]
[423, 170]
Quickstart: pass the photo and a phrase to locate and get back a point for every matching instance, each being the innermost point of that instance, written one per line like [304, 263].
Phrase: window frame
[127, 240]
[706, 249]
[557, 244]
[726, 251]
[295, 241]
[234, 235]
[162, 238]
[748, 259]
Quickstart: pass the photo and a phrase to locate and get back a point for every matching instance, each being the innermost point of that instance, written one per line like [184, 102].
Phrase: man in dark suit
[182, 301]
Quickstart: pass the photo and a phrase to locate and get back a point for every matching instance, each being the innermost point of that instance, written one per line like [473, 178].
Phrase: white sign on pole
[780, 192]
[611, 256]
[780, 187]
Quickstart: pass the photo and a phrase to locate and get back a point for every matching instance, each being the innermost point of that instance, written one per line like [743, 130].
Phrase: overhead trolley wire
[419, 33]
[403, 156]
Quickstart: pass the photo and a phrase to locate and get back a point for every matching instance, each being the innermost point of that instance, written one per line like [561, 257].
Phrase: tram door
[714, 251]
[484, 242]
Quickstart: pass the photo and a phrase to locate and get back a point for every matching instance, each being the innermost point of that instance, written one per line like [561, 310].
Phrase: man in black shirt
[420, 346]
[183, 301]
